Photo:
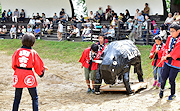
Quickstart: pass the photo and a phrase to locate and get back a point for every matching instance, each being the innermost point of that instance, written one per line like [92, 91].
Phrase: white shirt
[38, 21]
[163, 34]
[60, 28]
[32, 21]
[130, 26]
[86, 31]
[169, 20]
[76, 31]
[112, 31]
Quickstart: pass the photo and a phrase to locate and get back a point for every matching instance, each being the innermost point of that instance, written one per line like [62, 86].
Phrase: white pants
[11, 34]
[14, 18]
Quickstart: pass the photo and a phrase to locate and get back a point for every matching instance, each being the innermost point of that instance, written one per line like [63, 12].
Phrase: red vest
[26, 58]
[160, 54]
[85, 59]
[175, 53]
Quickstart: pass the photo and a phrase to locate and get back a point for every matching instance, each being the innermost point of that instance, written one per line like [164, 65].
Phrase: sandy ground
[59, 94]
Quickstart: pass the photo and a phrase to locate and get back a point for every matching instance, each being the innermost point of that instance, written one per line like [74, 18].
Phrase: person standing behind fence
[15, 15]
[60, 31]
[140, 20]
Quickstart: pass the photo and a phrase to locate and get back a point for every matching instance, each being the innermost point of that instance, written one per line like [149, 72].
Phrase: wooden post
[118, 35]
[147, 34]
[41, 31]
[66, 31]
[91, 30]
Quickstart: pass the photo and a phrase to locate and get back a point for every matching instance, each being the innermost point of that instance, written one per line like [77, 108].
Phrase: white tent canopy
[119, 6]
[49, 7]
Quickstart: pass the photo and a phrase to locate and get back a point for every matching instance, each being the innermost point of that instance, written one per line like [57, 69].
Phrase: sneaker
[89, 90]
[161, 93]
[154, 83]
[158, 85]
[171, 97]
[93, 91]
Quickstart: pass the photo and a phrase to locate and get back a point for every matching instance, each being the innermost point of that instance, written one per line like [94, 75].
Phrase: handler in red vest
[172, 60]
[90, 67]
[23, 60]
[156, 54]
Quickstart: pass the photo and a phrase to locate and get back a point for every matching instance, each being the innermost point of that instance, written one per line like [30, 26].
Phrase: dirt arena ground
[59, 94]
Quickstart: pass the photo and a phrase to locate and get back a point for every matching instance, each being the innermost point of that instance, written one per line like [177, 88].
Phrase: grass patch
[70, 51]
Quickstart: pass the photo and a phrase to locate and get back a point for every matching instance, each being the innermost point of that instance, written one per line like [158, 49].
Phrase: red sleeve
[38, 64]
[83, 57]
[166, 47]
[14, 65]
[152, 50]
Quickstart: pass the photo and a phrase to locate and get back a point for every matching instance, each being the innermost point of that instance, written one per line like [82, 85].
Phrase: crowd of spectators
[136, 26]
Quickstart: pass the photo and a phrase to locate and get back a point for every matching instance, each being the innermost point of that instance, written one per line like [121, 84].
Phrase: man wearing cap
[155, 31]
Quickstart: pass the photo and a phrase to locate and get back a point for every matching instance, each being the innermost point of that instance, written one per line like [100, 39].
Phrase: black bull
[117, 60]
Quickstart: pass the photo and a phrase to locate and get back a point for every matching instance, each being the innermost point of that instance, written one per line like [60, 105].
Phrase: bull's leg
[98, 80]
[126, 82]
[138, 70]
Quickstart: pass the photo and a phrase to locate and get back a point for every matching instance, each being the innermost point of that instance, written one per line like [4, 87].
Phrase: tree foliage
[176, 2]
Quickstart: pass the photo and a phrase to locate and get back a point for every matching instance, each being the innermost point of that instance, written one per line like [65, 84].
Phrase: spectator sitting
[155, 31]
[74, 19]
[19, 31]
[9, 15]
[104, 30]
[60, 31]
[176, 17]
[86, 32]
[97, 17]
[75, 32]
[82, 19]
[3, 16]
[146, 9]
[163, 33]
[122, 20]
[130, 25]
[46, 24]
[23, 30]
[91, 16]
[32, 22]
[13, 32]
[136, 14]
[3, 31]
[29, 29]
[127, 15]
[114, 21]
[100, 11]
[108, 12]
[37, 32]
[55, 18]
[15, 15]
[43, 17]
[38, 22]
[140, 20]
[37, 17]
[112, 14]
[88, 23]
[64, 18]
[22, 16]
[111, 32]
[169, 20]
[50, 28]
[61, 13]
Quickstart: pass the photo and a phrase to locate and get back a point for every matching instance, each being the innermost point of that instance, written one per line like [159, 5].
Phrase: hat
[129, 19]
[155, 25]
[4, 26]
